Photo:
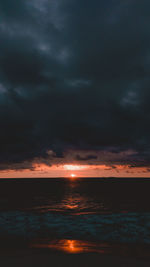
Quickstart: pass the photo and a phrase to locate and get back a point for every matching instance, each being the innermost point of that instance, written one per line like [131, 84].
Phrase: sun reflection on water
[73, 201]
[72, 246]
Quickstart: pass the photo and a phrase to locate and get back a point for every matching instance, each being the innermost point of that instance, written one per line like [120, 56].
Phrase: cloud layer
[74, 76]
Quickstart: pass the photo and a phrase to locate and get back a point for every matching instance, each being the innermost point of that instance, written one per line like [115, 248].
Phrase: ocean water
[76, 215]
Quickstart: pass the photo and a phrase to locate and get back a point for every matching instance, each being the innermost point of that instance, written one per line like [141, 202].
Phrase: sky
[74, 88]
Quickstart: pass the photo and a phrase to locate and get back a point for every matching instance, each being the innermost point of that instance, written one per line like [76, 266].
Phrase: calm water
[76, 215]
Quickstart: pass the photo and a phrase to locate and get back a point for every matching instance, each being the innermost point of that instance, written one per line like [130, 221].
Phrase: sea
[76, 215]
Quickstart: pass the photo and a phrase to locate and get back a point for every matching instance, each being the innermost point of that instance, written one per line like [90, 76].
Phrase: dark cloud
[84, 158]
[74, 76]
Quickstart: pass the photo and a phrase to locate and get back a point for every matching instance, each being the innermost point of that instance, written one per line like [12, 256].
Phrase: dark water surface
[76, 215]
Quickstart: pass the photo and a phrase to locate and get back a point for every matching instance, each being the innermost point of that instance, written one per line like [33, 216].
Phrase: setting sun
[73, 175]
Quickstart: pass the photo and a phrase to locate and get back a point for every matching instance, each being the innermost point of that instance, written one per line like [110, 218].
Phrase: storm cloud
[74, 75]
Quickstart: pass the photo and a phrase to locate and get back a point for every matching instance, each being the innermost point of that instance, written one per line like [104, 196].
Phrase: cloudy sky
[74, 88]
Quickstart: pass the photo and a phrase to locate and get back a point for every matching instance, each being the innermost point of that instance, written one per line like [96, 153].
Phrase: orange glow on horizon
[41, 170]
[70, 167]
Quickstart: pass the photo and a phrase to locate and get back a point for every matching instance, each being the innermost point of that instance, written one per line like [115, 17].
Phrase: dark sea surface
[97, 215]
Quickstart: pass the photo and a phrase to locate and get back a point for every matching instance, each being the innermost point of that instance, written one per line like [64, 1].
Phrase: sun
[72, 175]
